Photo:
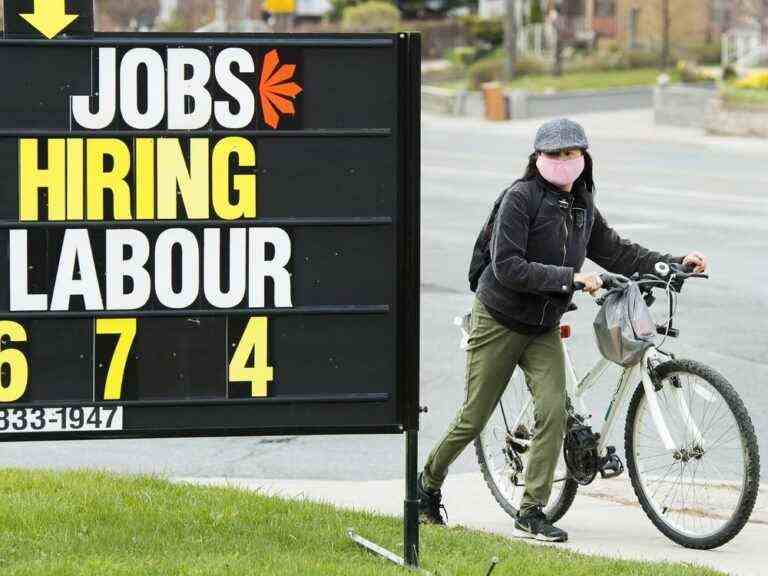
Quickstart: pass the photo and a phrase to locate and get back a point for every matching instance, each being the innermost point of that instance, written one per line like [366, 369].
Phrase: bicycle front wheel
[501, 450]
[702, 493]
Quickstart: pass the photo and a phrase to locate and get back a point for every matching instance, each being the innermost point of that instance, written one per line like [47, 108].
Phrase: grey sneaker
[429, 504]
[534, 524]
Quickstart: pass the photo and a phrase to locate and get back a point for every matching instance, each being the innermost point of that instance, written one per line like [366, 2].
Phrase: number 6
[16, 361]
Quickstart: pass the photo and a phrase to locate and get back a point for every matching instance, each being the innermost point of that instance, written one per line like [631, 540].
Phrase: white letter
[179, 87]
[118, 268]
[21, 299]
[212, 267]
[81, 108]
[76, 249]
[259, 268]
[235, 87]
[129, 98]
[190, 268]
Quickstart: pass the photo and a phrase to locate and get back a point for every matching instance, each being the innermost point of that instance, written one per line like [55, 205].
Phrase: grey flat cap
[558, 134]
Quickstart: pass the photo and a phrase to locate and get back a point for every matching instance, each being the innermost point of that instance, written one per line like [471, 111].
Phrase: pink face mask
[560, 172]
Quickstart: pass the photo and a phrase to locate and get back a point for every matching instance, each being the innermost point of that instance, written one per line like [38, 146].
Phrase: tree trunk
[664, 33]
[510, 40]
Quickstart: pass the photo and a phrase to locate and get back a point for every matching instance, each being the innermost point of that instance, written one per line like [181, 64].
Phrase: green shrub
[640, 59]
[531, 65]
[704, 53]
[536, 16]
[462, 56]
[690, 74]
[486, 70]
[372, 16]
[488, 31]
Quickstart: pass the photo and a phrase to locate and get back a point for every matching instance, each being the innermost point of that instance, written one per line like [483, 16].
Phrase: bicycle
[685, 425]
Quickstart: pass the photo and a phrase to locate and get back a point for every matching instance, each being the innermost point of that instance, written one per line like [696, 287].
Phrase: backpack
[481, 253]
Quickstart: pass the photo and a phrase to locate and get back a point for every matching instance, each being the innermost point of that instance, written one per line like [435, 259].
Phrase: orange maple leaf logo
[273, 87]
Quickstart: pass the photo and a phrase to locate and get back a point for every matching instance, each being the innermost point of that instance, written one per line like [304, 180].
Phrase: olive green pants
[492, 355]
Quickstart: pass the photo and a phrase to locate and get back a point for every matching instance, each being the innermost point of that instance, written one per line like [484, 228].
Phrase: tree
[664, 33]
[510, 39]
[536, 16]
[132, 14]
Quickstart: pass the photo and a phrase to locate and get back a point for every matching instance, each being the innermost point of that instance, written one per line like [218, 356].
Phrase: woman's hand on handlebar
[587, 282]
[695, 262]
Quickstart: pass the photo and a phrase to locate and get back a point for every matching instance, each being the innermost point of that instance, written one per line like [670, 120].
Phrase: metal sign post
[207, 235]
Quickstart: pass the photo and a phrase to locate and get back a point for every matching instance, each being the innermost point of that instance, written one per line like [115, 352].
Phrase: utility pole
[510, 39]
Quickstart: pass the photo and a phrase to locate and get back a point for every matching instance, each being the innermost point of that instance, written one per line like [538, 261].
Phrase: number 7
[126, 329]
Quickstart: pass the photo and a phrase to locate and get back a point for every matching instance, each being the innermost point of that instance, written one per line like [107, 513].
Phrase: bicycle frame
[576, 389]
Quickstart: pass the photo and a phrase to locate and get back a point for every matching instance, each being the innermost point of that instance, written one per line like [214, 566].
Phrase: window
[605, 8]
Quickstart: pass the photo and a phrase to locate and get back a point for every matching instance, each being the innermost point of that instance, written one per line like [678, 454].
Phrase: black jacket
[530, 278]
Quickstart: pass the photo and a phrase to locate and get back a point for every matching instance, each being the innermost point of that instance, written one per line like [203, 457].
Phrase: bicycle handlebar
[672, 275]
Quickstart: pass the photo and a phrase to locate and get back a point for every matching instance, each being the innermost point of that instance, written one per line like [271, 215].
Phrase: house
[638, 24]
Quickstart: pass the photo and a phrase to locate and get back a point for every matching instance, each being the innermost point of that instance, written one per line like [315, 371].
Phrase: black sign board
[208, 235]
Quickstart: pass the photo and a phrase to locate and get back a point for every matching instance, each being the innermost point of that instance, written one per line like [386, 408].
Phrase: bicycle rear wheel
[701, 494]
[502, 463]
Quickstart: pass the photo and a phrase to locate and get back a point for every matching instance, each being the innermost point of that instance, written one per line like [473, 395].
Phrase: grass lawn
[99, 524]
[600, 80]
[745, 96]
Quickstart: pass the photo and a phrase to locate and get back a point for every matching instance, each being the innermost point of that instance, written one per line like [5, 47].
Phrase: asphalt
[670, 189]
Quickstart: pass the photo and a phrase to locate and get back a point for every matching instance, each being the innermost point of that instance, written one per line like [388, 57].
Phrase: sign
[206, 235]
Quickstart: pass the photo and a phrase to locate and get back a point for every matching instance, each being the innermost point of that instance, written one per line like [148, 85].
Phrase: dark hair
[585, 178]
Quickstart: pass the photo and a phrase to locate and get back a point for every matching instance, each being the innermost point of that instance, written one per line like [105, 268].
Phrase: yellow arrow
[49, 17]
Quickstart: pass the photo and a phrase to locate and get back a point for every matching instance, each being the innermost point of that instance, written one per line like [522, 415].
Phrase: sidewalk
[605, 518]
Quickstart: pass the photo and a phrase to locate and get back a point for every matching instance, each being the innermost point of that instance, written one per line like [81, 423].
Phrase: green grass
[106, 525]
[600, 80]
[745, 96]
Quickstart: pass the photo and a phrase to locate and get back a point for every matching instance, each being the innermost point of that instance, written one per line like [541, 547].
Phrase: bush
[690, 74]
[486, 70]
[372, 16]
[462, 56]
[613, 60]
[755, 80]
[707, 53]
[531, 65]
[489, 31]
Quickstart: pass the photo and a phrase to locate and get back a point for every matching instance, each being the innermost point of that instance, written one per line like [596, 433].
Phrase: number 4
[126, 329]
[254, 339]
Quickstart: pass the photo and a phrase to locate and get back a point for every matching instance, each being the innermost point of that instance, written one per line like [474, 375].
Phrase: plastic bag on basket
[624, 327]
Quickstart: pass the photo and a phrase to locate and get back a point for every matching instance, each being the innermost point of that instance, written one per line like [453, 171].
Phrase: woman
[547, 224]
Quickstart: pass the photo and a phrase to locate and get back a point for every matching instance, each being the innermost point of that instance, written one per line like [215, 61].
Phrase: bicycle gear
[580, 451]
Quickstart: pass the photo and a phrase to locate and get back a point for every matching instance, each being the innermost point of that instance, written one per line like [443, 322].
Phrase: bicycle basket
[624, 327]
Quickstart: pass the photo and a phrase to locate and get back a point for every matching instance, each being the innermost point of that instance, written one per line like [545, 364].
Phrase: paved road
[672, 190]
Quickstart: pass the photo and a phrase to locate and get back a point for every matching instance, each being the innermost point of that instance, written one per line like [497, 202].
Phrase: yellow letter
[144, 176]
[245, 184]
[74, 178]
[32, 178]
[99, 180]
[192, 183]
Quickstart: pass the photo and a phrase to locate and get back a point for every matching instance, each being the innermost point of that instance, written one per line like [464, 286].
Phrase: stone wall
[682, 105]
[741, 120]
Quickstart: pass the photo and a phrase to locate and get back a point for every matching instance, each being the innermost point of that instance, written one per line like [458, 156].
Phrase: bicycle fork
[650, 358]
